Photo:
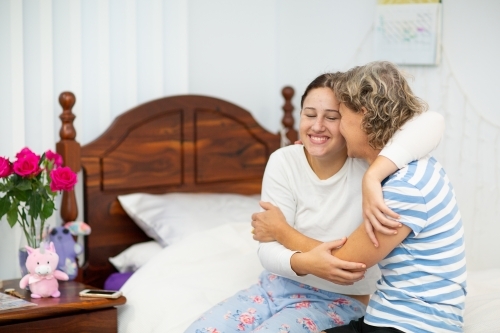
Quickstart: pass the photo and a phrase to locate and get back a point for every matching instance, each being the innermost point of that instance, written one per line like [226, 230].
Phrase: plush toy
[43, 275]
[66, 247]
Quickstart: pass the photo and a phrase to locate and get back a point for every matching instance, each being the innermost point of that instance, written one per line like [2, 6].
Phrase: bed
[171, 150]
[178, 144]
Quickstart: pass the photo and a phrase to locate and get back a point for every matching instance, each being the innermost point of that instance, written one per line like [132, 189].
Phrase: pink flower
[304, 304]
[341, 301]
[246, 318]
[63, 179]
[308, 323]
[336, 318]
[25, 152]
[5, 167]
[258, 299]
[54, 157]
[211, 330]
[26, 164]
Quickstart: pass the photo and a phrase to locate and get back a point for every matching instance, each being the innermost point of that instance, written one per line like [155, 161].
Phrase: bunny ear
[52, 248]
[29, 249]
[78, 228]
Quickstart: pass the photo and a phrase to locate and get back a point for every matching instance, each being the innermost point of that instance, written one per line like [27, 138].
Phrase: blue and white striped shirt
[423, 283]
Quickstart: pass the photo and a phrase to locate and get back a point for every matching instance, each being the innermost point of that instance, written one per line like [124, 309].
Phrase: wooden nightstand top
[69, 303]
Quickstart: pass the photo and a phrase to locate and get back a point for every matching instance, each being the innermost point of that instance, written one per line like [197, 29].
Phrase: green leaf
[47, 210]
[21, 195]
[12, 214]
[24, 185]
[4, 205]
[35, 205]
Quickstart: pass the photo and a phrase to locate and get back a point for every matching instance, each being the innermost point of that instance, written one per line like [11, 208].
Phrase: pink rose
[258, 299]
[25, 152]
[26, 164]
[63, 179]
[304, 304]
[54, 157]
[247, 318]
[308, 323]
[5, 167]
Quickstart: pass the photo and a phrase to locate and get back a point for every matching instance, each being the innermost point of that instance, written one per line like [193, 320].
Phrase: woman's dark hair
[327, 80]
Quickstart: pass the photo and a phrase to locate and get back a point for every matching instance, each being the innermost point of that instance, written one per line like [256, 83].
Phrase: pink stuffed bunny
[43, 275]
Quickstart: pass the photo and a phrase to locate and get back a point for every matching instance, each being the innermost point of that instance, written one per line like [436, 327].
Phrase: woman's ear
[364, 110]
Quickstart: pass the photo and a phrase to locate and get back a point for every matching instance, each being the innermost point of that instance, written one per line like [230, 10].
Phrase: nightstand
[68, 313]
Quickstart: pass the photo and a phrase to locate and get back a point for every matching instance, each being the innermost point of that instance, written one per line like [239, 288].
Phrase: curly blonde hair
[381, 89]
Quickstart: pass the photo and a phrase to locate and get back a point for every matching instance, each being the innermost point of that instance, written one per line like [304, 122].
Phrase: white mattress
[187, 278]
[482, 304]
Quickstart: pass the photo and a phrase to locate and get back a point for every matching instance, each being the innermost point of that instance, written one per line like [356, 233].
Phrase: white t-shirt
[330, 209]
[321, 209]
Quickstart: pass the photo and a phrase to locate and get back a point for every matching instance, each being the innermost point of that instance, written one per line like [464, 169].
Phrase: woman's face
[352, 130]
[319, 124]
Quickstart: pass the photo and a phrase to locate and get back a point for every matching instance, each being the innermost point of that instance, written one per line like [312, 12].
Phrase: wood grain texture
[67, 313]
[184, 143]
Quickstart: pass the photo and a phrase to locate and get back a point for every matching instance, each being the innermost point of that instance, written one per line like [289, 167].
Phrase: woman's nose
[318, 125]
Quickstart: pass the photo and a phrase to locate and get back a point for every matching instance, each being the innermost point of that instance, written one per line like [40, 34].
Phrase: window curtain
[112, 54]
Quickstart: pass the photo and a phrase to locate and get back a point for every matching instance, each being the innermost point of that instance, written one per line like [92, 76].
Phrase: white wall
[114, 54]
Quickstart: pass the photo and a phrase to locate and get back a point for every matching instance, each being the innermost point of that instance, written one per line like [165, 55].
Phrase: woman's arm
[271, 225]
[275, 256]
[358, 246]
[416, 139]
[407, 145]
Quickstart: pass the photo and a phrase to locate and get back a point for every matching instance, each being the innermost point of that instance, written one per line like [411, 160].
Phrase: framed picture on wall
[408, 33]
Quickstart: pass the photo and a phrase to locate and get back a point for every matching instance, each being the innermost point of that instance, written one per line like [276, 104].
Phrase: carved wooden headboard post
[288, 120]
[69, 149]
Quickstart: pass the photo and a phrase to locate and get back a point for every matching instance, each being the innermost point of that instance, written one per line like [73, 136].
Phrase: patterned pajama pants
[279, 305]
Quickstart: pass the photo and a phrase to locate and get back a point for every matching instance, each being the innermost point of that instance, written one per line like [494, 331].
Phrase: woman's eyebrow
[314, 109]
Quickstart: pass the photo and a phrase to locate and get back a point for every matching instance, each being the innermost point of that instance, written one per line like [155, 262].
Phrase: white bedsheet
[482, 304]
[187, 278]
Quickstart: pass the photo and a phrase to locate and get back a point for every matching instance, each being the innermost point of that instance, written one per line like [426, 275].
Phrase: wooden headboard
[184, 143]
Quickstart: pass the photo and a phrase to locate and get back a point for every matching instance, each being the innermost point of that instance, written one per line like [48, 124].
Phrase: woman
[318, 189]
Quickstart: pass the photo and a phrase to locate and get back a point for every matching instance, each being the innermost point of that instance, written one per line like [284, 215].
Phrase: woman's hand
[269, 223]
[321, 263]
[376, 214]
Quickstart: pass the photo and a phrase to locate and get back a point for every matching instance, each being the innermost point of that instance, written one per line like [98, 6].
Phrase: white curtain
[112, 54]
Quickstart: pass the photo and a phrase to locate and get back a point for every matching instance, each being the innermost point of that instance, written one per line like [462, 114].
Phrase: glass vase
[35, 236]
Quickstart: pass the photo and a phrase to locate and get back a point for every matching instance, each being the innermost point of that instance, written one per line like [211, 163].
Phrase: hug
[390, 258]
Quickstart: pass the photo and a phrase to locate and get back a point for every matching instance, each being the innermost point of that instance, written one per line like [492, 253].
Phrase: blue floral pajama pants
[279, 305]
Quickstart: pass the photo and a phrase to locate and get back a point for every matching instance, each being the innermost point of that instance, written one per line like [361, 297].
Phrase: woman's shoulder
[291, 151]
[289, 158]
[357, 165]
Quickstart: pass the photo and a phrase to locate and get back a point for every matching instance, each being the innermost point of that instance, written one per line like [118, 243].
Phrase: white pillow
[170, 217]
[135, 256]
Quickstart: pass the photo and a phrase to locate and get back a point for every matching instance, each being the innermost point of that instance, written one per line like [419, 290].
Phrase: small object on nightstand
[13, 292]
[100, 293]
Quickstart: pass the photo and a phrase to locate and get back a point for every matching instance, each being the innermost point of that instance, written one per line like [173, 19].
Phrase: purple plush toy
[66, 247]
[43, 275]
